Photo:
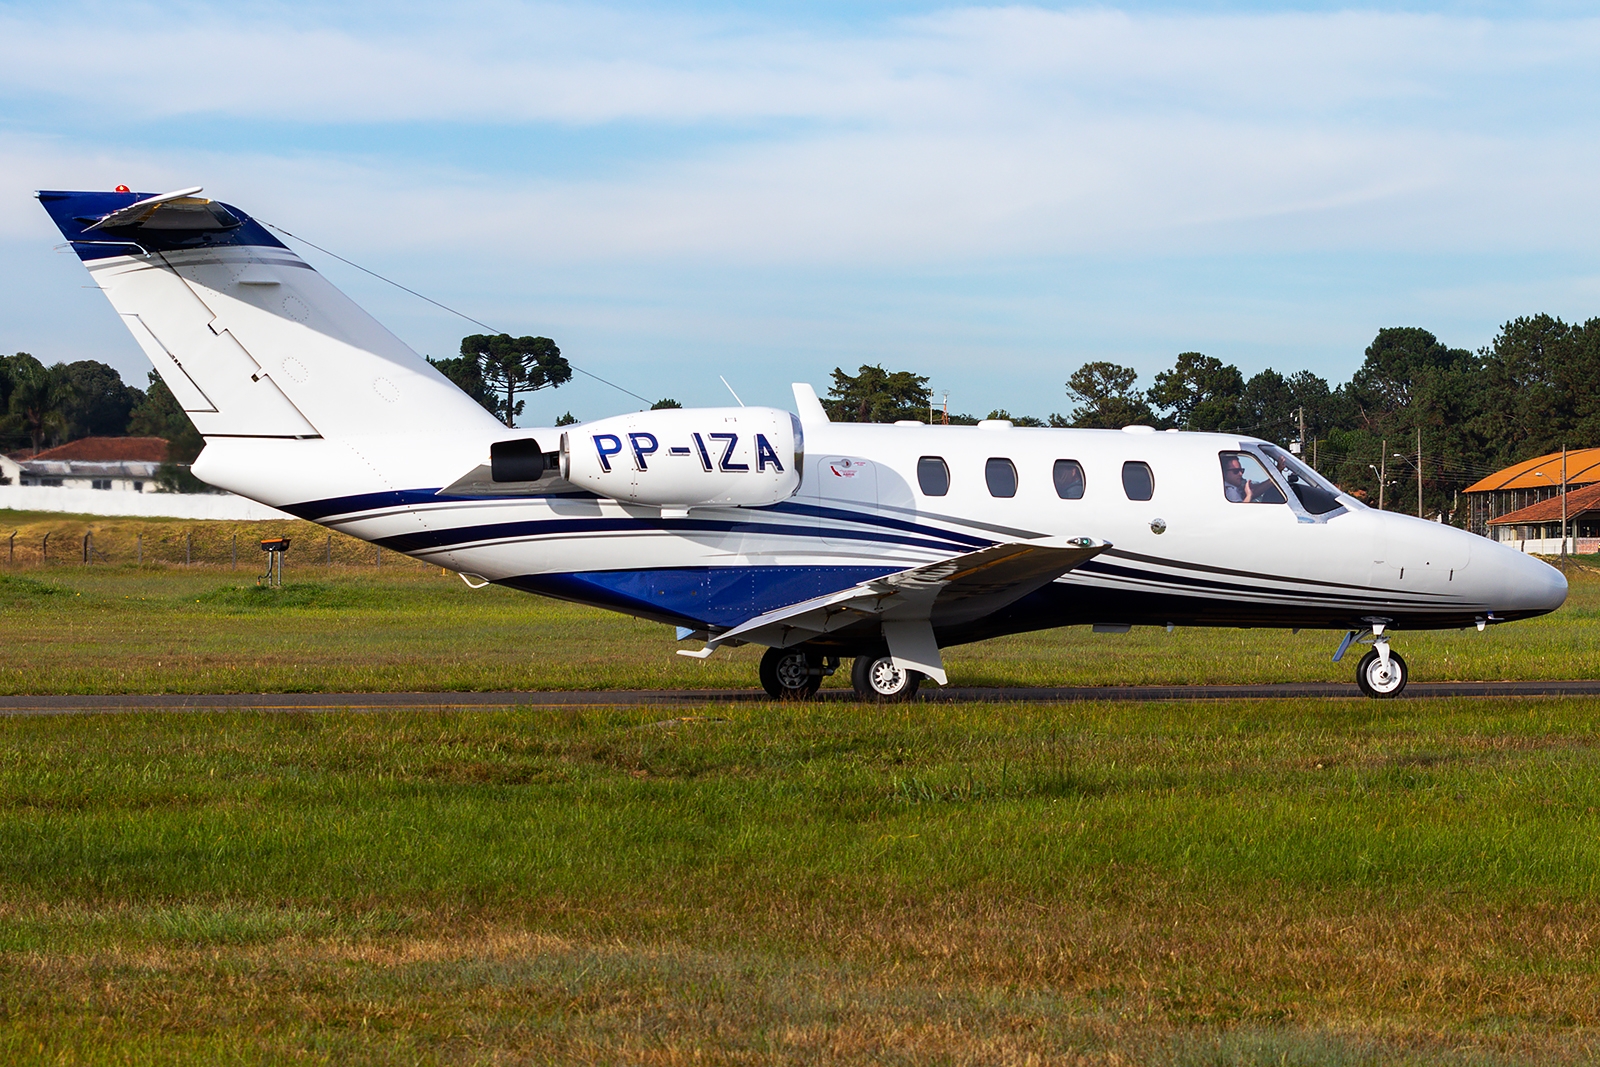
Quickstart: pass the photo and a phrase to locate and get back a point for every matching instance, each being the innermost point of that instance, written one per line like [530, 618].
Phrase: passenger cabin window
[1068, 476]
[933, 476]
[1246, 481]
[1001, 476]
[1138, 481]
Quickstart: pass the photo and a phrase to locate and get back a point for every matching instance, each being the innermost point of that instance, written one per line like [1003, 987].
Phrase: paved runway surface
[46, 705]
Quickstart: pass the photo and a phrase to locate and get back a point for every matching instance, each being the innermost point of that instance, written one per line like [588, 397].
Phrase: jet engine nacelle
[688, 457]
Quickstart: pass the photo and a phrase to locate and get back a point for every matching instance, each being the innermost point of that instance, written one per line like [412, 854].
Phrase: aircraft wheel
[875, 677]
[1375, 681]
[791, 673]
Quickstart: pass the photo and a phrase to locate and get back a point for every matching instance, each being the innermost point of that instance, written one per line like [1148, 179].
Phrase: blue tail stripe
[74, 212]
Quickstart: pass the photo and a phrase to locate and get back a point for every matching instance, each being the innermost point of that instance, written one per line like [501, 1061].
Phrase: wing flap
[952, 590]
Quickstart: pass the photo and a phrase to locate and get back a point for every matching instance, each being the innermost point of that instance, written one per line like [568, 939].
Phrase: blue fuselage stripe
[434, 540]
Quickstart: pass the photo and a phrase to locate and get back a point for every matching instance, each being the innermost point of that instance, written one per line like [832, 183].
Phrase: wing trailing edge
[910, 603]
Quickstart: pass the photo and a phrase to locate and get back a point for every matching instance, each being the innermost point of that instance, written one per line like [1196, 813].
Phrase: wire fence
[217, 546]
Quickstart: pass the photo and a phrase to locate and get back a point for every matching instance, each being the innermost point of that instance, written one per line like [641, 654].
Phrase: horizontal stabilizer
[181, 210]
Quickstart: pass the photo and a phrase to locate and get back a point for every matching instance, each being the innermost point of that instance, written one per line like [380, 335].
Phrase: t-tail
[299, 394]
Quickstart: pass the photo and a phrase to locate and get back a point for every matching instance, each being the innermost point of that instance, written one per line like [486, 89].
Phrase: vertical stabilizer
[252, 341]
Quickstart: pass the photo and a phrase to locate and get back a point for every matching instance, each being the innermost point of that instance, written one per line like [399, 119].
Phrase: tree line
[1534, 389]
[43, 406]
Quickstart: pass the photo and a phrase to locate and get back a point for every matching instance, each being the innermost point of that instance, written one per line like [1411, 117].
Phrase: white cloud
[977, 132]
[961, 142]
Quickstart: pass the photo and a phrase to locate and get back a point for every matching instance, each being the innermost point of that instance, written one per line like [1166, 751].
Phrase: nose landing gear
[1382, 671]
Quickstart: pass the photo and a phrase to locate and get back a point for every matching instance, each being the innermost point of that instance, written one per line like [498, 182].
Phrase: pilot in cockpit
[1250, 484]
[1234, 486]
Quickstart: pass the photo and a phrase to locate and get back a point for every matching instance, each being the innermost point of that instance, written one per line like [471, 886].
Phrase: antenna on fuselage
[730, 389]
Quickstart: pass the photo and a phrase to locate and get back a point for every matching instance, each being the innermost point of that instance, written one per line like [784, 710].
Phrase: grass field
[361, 625]
[1266, 882]
[1337, 882]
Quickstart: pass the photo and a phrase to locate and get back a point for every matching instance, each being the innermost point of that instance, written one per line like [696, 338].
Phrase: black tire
[875, 677]
[791, 673]
[1369, 675]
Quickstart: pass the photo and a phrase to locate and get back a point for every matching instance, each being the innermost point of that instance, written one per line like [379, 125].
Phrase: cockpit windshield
[1316, 494]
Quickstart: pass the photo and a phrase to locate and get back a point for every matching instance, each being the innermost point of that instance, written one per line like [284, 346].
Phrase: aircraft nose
[1524, 584]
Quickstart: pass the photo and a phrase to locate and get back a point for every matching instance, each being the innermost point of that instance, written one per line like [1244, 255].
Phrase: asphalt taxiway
[287, 702]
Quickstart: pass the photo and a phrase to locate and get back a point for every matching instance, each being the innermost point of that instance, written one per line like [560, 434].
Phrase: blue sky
[987, 195]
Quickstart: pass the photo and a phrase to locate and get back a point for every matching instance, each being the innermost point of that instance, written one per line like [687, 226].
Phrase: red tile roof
[1578, 501]
[106, 450]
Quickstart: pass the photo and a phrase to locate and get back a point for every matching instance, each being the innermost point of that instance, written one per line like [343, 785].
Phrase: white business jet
[819, 540]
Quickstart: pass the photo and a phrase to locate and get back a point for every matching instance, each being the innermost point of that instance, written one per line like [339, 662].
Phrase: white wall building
[110, 464]
[111, 476]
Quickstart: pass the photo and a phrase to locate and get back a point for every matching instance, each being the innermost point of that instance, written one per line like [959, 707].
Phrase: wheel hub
[793, 671]
[887, 679]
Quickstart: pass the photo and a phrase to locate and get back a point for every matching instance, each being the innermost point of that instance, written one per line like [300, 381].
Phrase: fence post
[188, 544]
[138, 544]
[13, 557]
[234, 564]
[47, 546]
[87, 534]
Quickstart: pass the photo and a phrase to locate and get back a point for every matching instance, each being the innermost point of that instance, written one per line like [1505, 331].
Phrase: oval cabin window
[1068, 475]
[1138, 481]
[933, 476]
[1001, 476]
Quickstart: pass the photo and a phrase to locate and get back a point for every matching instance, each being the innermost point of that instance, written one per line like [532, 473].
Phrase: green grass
[72, 628]
[1232, 883]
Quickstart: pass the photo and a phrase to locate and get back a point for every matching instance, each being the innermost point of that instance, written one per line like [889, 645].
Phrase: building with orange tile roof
[1492, 501]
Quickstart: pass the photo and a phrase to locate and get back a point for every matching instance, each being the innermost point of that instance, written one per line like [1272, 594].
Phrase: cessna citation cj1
[819, 540]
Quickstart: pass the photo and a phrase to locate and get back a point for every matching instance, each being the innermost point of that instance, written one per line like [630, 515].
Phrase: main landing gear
[797, 674]
[1382, 671]
[794, 673]
[875, 677]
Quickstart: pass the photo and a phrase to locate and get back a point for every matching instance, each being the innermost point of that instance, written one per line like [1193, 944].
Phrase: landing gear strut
[875, 677]
[1382, 671]
[793, 673]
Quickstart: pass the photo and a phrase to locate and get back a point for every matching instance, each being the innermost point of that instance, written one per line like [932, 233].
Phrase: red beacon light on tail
[123, 189]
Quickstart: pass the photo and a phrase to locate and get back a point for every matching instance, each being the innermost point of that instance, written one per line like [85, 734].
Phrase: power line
[437, 304]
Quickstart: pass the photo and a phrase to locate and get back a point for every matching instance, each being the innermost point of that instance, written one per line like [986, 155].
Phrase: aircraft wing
[910, 602]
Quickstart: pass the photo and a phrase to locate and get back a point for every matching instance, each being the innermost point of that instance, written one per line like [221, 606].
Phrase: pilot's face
[1233, 471]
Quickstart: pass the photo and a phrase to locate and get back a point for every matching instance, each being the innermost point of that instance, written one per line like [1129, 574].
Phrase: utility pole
[1383, 462]
[1563, 499]
[1302, 449]
[1419, 472]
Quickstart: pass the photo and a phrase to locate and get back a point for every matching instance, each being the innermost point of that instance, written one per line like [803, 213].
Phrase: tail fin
[251, 341]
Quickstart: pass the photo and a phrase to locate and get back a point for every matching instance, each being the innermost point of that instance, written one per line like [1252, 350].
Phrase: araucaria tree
[506, 366]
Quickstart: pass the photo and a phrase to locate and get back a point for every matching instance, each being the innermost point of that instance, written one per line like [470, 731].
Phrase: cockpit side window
[1315, 493]
[1068, 476]
[1138, 480]
[933, 476]
[1246, 481]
